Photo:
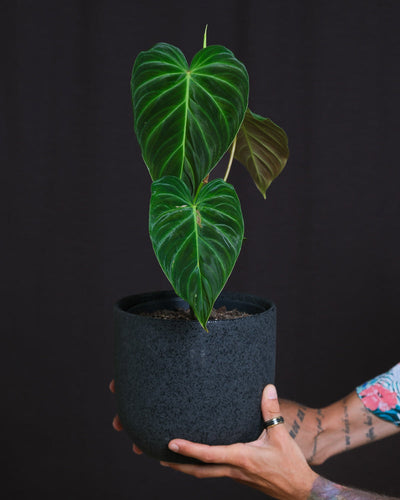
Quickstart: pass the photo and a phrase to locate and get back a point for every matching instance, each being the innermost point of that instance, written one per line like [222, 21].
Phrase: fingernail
[271, 392]
[173, 447]
[164, 464]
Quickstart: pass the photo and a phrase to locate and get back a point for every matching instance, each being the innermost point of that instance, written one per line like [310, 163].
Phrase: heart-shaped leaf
[262, 147]
[187, 117]
[196, 239]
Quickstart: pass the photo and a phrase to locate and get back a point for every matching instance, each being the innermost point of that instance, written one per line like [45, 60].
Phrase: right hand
[304, 424]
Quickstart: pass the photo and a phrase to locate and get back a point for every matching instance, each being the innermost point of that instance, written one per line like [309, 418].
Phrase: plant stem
[205, 37]
[230, 158]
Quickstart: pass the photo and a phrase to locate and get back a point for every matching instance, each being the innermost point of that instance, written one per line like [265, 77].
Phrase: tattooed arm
[276, 462]
[346, 424]
[273, 464]
[326, 490]
[369, 413]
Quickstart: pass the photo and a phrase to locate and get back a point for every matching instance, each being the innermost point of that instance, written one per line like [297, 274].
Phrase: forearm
[326, 490]
[347, 424]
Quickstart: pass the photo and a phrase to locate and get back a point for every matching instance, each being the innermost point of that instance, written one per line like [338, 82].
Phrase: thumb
[270, 405]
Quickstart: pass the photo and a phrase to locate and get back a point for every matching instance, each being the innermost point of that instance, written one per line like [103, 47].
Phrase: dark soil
[185, 314]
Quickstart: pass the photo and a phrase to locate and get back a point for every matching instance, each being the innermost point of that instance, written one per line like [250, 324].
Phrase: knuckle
[274, 411]
[208, 456]
[228, 472]
[244, 463]
[238, 475]
[199, 474]
[241, 458]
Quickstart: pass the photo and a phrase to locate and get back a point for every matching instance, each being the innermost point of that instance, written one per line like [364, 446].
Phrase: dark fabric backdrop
[324, 245]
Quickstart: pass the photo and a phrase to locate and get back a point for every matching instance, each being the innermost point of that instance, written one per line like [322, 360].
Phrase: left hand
[273, 464]
[117, 422]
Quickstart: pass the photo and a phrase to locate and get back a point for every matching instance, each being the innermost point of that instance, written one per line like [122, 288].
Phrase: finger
[117, 423]
[270, 408]
[137, 450]
[201, 471]
[269, 404]
[112, 386]
[210, 454]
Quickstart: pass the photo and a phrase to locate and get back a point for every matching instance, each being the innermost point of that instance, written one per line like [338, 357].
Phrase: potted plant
[199, 378]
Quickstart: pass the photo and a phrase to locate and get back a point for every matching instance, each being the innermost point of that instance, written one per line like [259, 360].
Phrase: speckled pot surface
[173, 379]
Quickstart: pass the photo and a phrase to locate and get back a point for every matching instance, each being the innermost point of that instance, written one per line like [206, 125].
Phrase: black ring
[273, 422]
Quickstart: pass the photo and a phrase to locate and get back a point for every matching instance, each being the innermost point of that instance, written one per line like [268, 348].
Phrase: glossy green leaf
[196, 239]
[262, 147]
[187, 117]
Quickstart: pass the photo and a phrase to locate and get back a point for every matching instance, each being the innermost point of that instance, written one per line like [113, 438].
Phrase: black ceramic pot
[175, 380]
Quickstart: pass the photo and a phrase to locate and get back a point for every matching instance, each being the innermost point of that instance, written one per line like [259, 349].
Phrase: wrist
[328, 434]
[331, 438]
[303, 488]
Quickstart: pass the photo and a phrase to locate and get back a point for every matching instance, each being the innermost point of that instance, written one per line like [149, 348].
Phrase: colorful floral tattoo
[326, 490]
[381, 395]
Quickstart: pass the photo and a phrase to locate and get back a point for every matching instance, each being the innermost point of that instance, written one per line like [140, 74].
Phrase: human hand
[117, 423]
[306, 425]
[273, 464]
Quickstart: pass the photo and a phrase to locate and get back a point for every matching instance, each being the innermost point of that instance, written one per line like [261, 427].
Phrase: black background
[324, 245]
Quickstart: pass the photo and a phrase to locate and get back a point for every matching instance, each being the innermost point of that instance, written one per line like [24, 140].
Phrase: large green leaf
[186, 117]
[196, 239]
[262, 147]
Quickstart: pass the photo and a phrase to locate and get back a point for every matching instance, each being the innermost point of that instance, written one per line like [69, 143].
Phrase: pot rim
[265, 306]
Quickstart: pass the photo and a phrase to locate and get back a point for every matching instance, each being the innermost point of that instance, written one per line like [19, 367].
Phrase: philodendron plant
[186, 117]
